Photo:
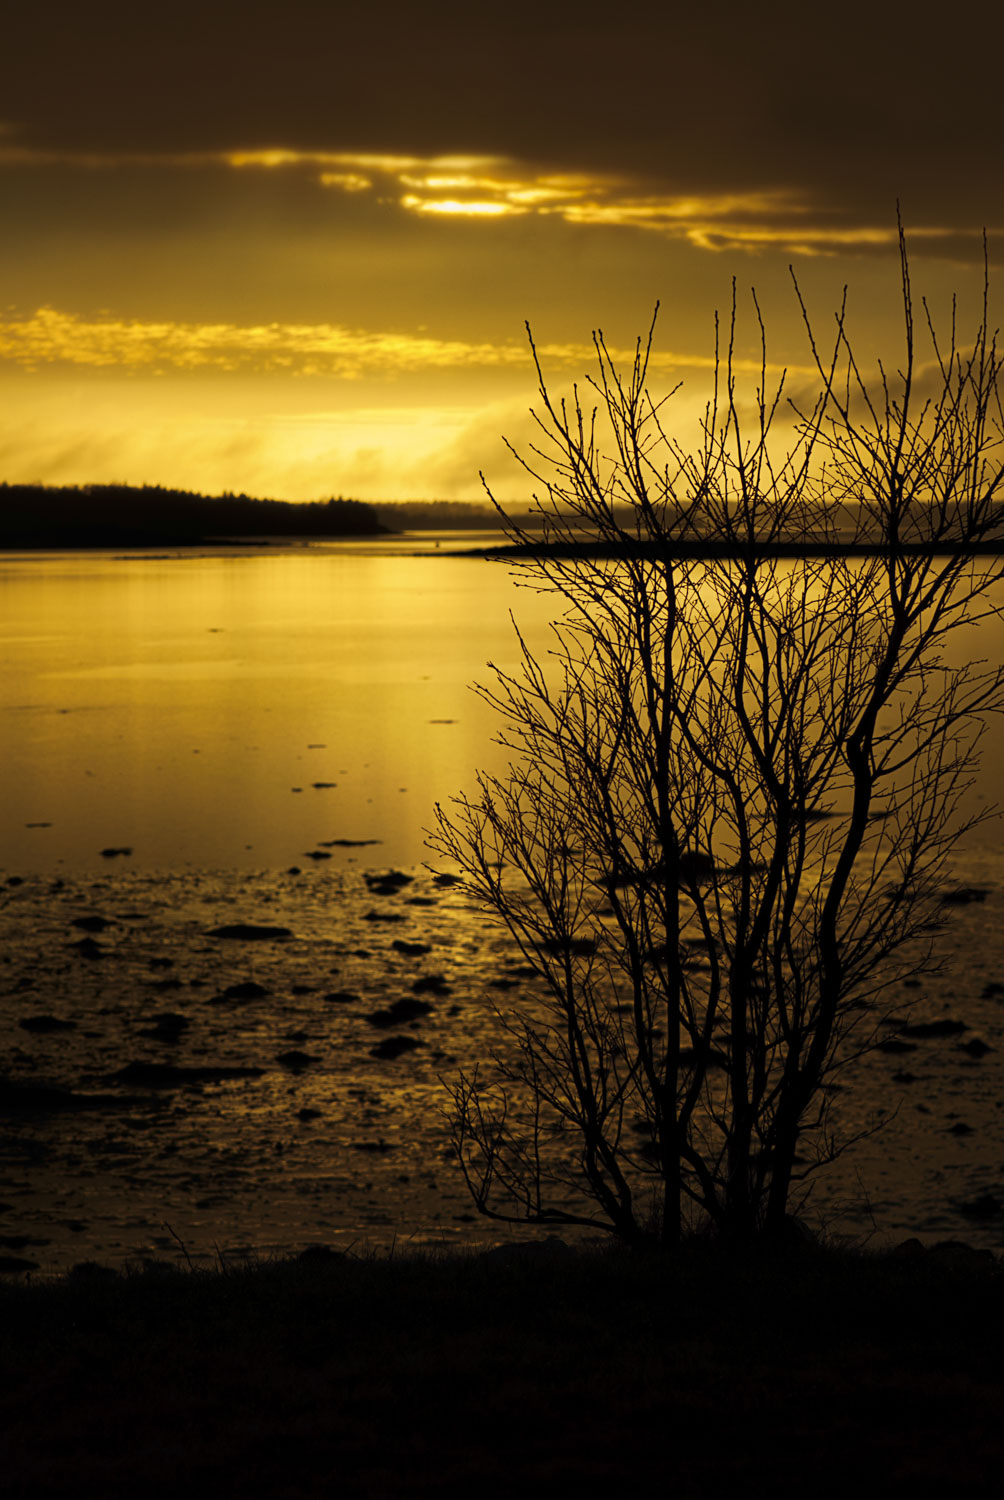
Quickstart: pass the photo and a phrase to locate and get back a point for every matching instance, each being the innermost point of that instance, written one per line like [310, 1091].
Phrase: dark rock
[89, 949]
[960, 1128]
[410, 950]
[317, 854]
[111, 853]
[168, 1027]
[15, 880]
[161, 963]
[903, 1077]
[91, 924]
[577, 947]
[167, 1076]
[43, 1024]
[250, 932]
[927, 1029]
[502, 984]
[399, 1013]
[975, 1048]
[249, 990]
[383, 916]
[165, 984]
[965, 895]
[341, 997]
[323, 786]
[446, 880]
[296, 1060]
[992, 991]
[394, 1046]
[894, 1046]
[986, 1206]
[421, 901]
[307, 1114]
[348, 843]
[431, 984]
[302, 989]
[380, 1147]
[388, 884]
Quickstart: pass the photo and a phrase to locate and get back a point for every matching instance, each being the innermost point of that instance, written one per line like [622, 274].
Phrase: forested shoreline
[119, 515]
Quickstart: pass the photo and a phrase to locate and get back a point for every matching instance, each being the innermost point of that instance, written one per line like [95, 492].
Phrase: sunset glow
[311, 237]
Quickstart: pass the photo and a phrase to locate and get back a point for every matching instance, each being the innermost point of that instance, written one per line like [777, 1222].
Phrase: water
[263, 731]
[233, 710]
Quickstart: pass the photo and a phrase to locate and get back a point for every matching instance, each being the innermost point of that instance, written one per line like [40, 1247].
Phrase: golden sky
[290, 249]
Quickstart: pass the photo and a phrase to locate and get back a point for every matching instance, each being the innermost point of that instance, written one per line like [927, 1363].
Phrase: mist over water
[262, 731]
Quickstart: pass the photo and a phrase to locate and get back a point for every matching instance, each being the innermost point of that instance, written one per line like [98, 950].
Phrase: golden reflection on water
[172, 704]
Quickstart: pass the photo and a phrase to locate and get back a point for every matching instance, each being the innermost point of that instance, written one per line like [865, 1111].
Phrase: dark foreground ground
[807, 1373]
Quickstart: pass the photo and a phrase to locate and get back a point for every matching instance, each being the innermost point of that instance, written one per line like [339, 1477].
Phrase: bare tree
[736, 776]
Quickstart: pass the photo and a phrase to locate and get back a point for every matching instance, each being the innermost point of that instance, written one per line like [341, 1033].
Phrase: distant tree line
[121, 515]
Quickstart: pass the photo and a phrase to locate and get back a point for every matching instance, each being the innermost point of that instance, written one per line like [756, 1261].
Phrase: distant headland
[35, 517]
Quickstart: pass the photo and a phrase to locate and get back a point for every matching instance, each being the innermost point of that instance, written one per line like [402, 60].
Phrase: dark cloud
[852, 105]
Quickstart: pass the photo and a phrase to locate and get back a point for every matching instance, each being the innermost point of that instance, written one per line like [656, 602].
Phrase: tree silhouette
[736, 776]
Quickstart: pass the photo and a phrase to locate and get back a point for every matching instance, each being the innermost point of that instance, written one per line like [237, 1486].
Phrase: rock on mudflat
[88, 948]
[399, 1013]
[295, 1060]
[965, 895]
[410, 950]
[925, 1029]
[168, 1027]
[431, 984]
[44, 1024]
[394, 1046]
[249, 990]
[975, 1048]
[388, 884]
[986, 1206]
[250, 932]
[91, 924]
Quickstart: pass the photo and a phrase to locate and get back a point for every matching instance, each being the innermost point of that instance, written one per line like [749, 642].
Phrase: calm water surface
[232, 710]
[229, 718]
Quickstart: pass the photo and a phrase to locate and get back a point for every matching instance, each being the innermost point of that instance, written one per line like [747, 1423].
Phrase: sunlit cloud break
[49, 337]
[490, 189]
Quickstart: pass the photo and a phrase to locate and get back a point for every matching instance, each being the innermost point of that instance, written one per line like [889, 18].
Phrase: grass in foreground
[805, 1373]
